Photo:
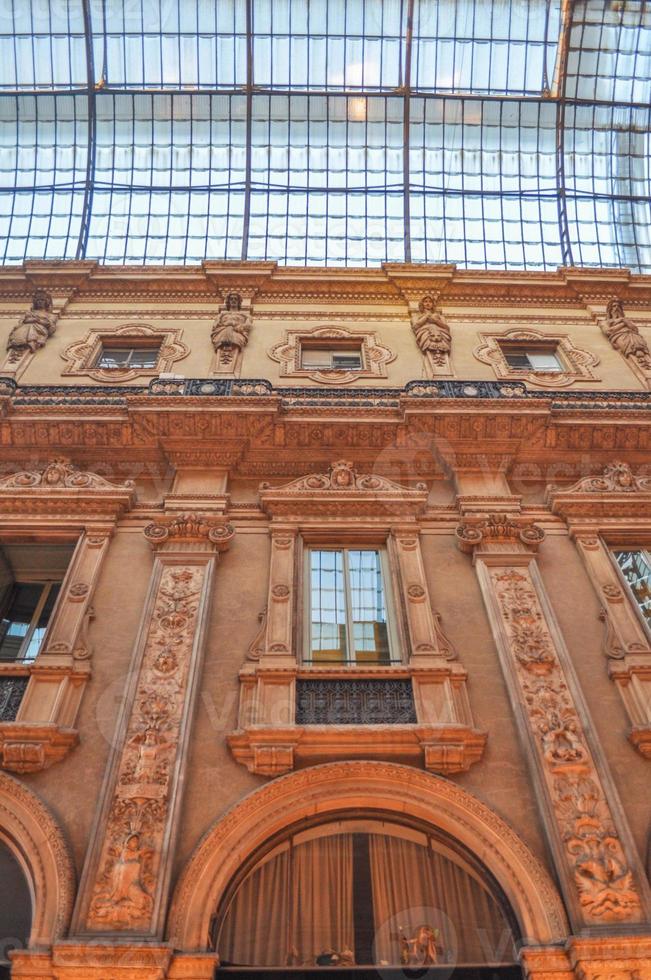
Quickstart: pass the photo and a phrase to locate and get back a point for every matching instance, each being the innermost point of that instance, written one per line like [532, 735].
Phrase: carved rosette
[129, 863]
[603, 879]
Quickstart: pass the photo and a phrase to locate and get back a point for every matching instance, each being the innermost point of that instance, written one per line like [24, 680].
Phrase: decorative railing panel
[355, 702]
[12, 691]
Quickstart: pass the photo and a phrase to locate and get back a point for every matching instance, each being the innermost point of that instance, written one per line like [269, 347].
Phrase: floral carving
[603, 880]
[131, 852]
[192, 527]
[60, 474]
[625, 336]
[617, 477]
[35, 327]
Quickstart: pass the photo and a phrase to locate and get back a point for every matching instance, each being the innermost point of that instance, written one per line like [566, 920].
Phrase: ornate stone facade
[169, 728]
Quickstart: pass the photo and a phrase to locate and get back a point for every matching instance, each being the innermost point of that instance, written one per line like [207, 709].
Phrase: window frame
[396, 658]
[646, 550]
[107, 344]
[333, 348]
[530, 347]
[47, 584]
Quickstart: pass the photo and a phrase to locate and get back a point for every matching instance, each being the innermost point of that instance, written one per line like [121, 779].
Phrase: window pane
[346, 362]
[43, 619]
[311, 358]
[16, 621]
[370, 637]
[144, 357]
[328, 607]
[114, 358]
[637, 572]
[128, 357]
[544, 362]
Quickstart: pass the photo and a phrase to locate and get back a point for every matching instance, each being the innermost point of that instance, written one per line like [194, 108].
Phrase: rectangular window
[27, 608]
[142, 357]
[331, 359]
[532, 358]
[636, 569]
[347, 607]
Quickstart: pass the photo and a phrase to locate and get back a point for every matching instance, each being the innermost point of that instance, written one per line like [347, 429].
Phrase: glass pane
[311, 358]
[370, 636]
[328, 607]
[16, 621]
[144, 357]
[518, 361]
[346, 362]
[114, 357]
[43, 620]
[544, 362]
[637, 572]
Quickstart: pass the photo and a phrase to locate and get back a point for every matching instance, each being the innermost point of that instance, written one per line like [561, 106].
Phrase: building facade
[326, 611]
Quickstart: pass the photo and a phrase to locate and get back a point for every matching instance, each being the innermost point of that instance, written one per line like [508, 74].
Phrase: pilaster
[125, 882]
[596, 861]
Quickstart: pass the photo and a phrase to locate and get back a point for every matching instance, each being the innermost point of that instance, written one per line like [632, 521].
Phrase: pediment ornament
[617, 477]
[342, 476]
[61, 474]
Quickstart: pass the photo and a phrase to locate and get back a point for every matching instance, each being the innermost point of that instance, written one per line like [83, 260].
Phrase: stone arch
[34, 837]
[326, 790]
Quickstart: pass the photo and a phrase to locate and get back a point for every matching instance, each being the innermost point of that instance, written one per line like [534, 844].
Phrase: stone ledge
[275, 750]
[33, 746]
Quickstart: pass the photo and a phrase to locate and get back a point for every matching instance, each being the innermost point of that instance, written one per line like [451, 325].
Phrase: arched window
[364, 892]
[16, 913]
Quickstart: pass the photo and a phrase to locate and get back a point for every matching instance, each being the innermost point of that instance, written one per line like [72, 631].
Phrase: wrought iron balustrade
[363, 701]
[12, 691]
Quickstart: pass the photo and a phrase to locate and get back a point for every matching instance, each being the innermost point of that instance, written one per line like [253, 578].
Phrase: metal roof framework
[486, 133]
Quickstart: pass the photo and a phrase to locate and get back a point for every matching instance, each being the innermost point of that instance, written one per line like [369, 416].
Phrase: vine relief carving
[624, 335]
[124, 892]
[34, 329]
[602, 877]
[61, 474]
[230, 334]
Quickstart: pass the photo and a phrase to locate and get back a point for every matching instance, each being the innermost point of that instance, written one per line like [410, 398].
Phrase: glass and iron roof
[486, 133]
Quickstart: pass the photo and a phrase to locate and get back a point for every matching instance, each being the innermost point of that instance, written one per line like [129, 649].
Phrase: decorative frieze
[127, 873]
[596, 860]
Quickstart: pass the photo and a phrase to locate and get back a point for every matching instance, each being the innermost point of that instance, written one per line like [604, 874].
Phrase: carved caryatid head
[42, 300]
[427, 304]
[615, 309]
[233, 301]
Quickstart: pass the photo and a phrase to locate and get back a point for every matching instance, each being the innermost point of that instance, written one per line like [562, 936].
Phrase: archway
[323, 792]
[37, 847]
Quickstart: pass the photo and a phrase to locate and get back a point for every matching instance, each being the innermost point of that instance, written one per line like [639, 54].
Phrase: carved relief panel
[596, 859]
[126, 877]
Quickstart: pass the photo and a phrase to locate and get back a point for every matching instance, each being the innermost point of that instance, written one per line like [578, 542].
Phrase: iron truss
[486, 133]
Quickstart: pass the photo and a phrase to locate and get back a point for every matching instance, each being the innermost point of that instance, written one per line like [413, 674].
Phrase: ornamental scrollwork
[195, 527]
[342, 475]
[61, 474]
[498, 528]
[617, 477]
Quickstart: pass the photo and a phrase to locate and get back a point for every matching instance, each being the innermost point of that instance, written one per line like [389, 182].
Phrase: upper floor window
[636, 569]
[347, 615]
[124, 356]
[30, 581]
[532, 358]
[344, 358]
